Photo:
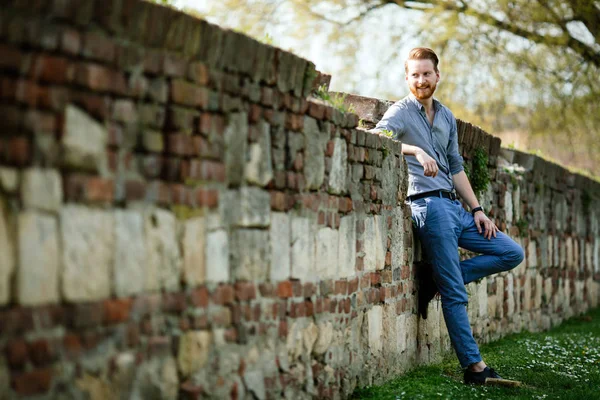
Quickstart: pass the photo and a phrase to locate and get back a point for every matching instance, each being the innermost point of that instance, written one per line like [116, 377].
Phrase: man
[428, 133]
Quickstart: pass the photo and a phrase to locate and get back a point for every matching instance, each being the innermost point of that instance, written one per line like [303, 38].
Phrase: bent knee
[514, 256]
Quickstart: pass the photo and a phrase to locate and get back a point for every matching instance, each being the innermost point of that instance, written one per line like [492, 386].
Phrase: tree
[526, 65]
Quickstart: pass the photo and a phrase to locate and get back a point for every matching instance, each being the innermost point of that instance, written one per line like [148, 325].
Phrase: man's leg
[498, 254]
[439, 234]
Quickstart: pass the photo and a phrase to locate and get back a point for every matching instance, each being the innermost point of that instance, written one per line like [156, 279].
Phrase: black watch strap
[473, 211]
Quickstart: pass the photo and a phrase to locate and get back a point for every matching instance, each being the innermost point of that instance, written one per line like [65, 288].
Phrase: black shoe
[427, 287]
[478, 378]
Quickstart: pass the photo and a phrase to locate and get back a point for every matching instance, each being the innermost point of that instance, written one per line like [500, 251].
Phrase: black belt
[434, 193]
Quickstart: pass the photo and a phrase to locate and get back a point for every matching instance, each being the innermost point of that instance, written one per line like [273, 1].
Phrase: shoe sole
[502, 382]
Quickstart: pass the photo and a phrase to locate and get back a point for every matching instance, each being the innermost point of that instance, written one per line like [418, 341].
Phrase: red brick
[42, 352]
[207, 198]
[405, 274]
[266, 289]
[224, 294]
[174, 302]
[308, 290]
[17, 353]
[52, 69]
[33, 382]
[207, 170]
[116, 311]
[341, 287]
[92, 189]
[17, 151]
[245, 291]
[99, 47]
[86, 315]
[179, 144]
[294, 122]
[198, 73]
[316, 110]
[99, 78]
[282, 329]
[72, 345]
[285, 289]
[309, 310]
[145, 304]
[199, 297]
[188, 94]
[388, 258]
[135, 190]
[96, 105]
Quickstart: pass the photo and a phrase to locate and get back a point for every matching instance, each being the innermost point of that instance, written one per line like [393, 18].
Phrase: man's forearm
[464, 189]
[409, 150]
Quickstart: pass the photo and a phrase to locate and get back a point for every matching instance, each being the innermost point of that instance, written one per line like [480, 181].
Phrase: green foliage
[523, 226]
[480, 174]
[387, 133]
[562, 363]
[337, 101]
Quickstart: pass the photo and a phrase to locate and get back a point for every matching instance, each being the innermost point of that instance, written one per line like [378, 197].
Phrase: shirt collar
[413, 99]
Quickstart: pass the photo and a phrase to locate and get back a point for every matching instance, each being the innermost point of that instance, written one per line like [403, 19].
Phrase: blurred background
[524, 70]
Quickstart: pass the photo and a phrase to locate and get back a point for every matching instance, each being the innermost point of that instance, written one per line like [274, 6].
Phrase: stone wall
[178, 218]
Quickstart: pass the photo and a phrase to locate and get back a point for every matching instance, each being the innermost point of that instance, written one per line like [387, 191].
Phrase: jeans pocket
[419, 212]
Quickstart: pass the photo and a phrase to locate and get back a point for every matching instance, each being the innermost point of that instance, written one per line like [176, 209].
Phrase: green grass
[563, 363]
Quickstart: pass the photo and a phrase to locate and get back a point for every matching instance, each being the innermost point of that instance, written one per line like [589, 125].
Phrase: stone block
[326, 245]
[324, 339]
[347, 247]
[303, 249]
[156, 377]
[194, 245]
[508, 206]
[391, 176]
[374, 238]
[250, 255]
[314, 158]
[569, 253]
[248, 207]
[236, 138]
[375, 325]
[280, 237]
[9, 179]
[41, 189]
[84, 141]
[7, 253]
[509, 289]
[88, 253]
[130, 253]
[339, 166]
[38, 255]
[164, 261]
[217, 256]
[193, 352]
[532, 260]
[259, 168]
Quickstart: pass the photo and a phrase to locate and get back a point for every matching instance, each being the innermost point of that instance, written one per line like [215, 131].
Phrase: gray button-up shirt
[407, 120]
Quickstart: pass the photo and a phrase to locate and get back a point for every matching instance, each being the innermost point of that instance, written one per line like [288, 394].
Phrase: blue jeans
[442, 226]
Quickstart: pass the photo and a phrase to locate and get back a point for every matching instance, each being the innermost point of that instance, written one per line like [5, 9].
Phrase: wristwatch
[473, 211]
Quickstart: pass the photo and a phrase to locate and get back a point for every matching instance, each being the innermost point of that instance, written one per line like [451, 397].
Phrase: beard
[423, 92]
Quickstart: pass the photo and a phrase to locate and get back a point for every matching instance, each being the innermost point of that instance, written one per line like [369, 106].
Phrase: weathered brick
[17, 353]
[116, 311]
[92, 189]
[186, 93]
[42, 351]
[199, 297]
[223, 294]
[285, 289]
[33, 382]
[99, 47]
[207, 198]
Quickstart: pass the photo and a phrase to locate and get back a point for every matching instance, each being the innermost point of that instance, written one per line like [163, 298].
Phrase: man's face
[421, 78]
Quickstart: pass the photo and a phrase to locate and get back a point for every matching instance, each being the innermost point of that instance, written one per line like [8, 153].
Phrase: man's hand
[428, 163]
[485, 225]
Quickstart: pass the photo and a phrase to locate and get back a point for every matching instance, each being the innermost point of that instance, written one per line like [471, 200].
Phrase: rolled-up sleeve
[391, 121]
[455, 160]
